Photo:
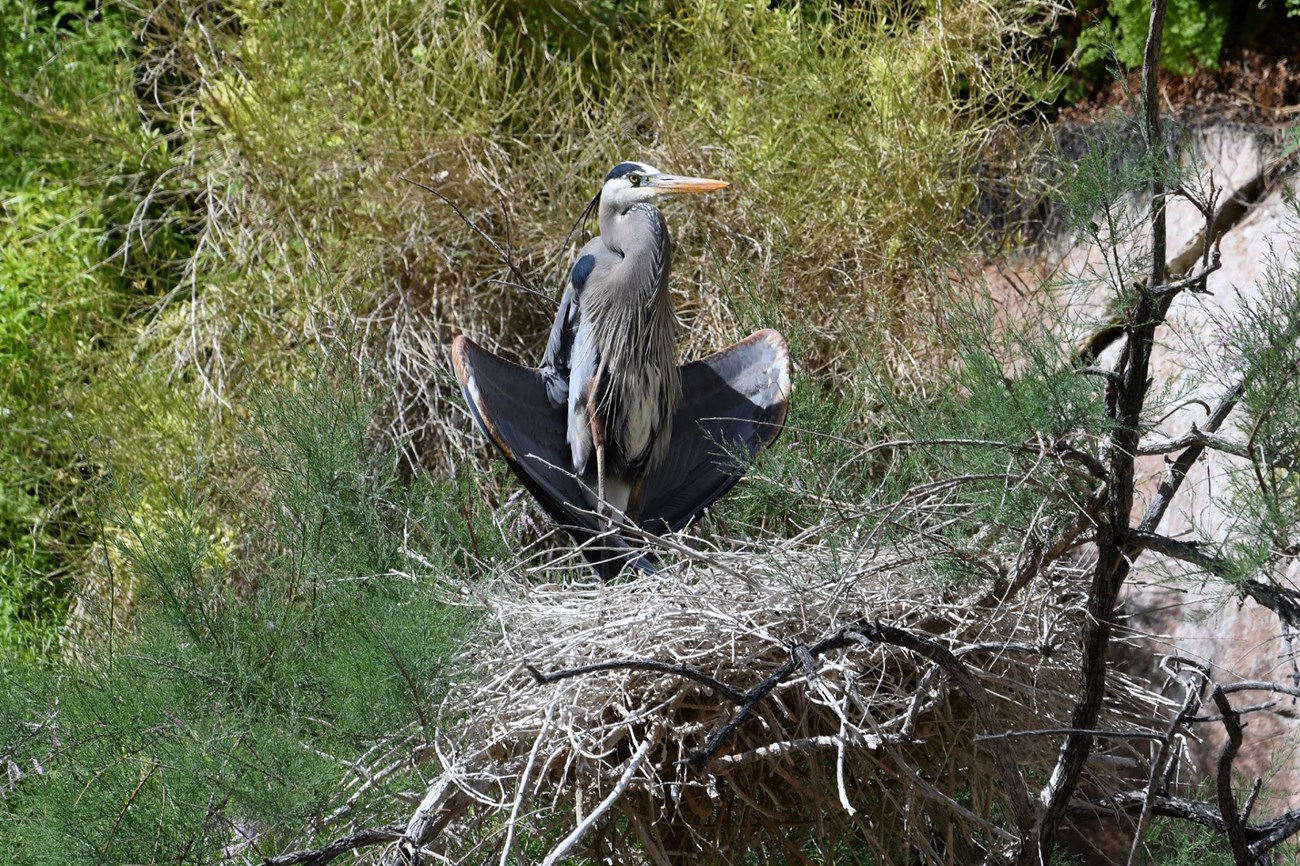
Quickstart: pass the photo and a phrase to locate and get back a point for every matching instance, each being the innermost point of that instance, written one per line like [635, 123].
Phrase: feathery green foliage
[1263, 350]
[255, 670]
[77, 169]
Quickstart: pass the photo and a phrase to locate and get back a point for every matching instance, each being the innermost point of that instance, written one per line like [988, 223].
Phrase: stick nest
[865, 745]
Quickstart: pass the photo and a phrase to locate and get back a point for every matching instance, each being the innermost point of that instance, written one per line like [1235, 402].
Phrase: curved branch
[680, 670]
[1195, 436]
[353, 842]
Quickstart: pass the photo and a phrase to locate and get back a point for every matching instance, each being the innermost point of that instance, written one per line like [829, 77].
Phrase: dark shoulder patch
[623, 168]
[581, 270]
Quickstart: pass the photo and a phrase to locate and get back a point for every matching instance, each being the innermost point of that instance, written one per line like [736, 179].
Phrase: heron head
[630, 182]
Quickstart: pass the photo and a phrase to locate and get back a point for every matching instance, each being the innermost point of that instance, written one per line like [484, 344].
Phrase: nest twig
[697, 715]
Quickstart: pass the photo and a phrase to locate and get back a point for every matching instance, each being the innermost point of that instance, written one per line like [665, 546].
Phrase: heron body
[612, 355]
[609, 424]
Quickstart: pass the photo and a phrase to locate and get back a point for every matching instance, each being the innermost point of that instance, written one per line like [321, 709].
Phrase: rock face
[1171, 609]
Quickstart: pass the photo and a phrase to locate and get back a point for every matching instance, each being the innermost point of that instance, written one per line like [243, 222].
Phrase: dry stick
[560, 851]
[1275, 832]
[1260, 686]
[524, 283]
[681, 670]
[441, 802]
[1196, 436]
[1179, 468]
[1176, 548]
[1056, 732]
[1219, 817]
[1003, 758]
[1223, 783]
[809, 744]
[1267, 835]
[523, 784]
[1204, 814]
[1192, 697]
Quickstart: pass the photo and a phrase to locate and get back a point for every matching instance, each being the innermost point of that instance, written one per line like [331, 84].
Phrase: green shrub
[1193, 36]
[59, 299]
[258, 669]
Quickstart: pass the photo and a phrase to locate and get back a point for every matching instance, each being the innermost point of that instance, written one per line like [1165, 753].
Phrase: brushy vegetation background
[204, 199]
[226, 417]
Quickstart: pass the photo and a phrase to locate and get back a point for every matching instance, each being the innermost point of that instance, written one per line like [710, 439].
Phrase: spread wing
[733, 405]
[511, 405]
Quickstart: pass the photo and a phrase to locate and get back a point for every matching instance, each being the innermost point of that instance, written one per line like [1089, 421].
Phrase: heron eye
[634, 179]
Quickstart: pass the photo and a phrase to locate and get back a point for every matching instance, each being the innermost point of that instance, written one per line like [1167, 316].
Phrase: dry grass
[848, 137]
[873, 751]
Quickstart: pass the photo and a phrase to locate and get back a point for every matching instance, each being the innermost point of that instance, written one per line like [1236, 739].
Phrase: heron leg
[633, 512]
[597, 426]
[600, 475]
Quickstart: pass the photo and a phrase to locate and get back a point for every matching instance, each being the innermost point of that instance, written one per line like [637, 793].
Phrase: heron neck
[635, 230]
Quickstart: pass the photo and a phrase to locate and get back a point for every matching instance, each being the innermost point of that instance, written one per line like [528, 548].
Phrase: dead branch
[1125, 399]
[1194, 282]
[1195, 436]
[523, 281]
[1177, 471]
[1223, 784]
[353, 842]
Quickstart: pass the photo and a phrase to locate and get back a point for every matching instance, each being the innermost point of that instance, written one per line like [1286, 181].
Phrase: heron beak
[671, 184]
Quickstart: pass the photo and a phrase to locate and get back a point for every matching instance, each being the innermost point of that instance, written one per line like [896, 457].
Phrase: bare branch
[320, 856]
[1125, 399]
[1273, 833]
[1004, 760]
[1178, 469]
[1157, 780]
[1185, 551]
[1049, 732]
[1195, 436]
[1128, 802]
[1223, 784]
[1195, 282]
[1260, 686]
[566, 845]
[523, 281]
[1262, 837]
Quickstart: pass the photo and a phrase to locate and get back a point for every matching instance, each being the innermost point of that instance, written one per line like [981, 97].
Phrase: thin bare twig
[1196, 436]
[560, 851]
[1192, 697]
[1051, 732]
[523, 281]
[1178, 470]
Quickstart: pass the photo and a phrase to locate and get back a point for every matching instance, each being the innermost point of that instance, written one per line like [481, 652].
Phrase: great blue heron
[609, 430]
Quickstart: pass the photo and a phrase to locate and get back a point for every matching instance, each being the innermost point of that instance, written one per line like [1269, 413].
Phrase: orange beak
[671, 184]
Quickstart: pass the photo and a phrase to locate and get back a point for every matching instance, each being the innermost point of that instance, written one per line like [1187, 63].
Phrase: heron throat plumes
[637, 339]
